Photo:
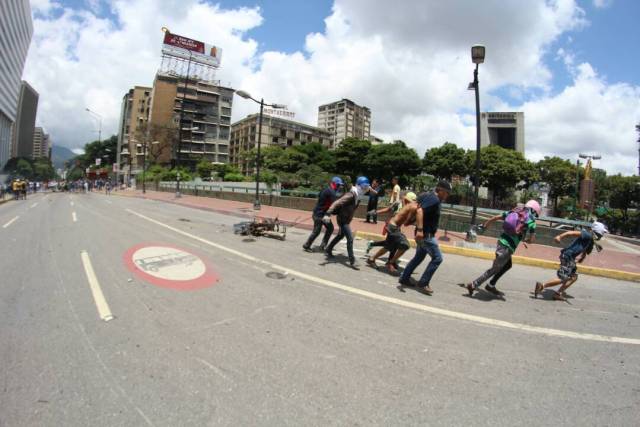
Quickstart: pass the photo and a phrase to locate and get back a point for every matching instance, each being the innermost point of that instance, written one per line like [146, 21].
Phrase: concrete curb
[518, 259]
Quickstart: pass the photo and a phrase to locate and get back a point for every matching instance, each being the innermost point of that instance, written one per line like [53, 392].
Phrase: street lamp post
[245, 95]
[587, 177]
[99, 122]
[477, 56]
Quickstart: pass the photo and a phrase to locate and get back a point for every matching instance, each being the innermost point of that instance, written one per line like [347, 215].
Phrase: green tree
[388, 160]
[319, 155]
[560, 175]
[625, 193]
[234, 177]
[24, 168]
[350, 156]
[445, 161]
[501, 170]
[204, 169]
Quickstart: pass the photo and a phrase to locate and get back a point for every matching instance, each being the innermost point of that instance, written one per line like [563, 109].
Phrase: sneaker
[558, 297]
[322, 246]
[470, 288]
[329, 254]
[354, 265]
[371, 263]
[369, 247]
[493, 290]
[307, 248]
[425, 289]
[537, 290]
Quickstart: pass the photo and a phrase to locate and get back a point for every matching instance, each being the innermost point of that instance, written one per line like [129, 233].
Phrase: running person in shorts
[507, 245]
[581, 246]
[396, 242]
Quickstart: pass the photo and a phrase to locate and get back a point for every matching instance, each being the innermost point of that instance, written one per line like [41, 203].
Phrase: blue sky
[377, 53]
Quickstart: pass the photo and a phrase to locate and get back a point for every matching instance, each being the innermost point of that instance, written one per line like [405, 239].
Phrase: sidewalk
[608, 263]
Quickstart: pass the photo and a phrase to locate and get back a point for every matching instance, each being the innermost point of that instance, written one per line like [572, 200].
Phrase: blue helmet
[362, 181]
[337, 180]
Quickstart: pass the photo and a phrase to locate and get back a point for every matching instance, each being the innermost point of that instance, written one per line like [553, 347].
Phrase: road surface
[121, 311]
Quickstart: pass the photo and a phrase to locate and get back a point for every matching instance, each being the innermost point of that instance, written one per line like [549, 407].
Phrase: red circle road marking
[169, 266]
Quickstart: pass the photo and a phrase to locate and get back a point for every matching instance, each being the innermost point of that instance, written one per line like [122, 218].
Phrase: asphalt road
[283, 337]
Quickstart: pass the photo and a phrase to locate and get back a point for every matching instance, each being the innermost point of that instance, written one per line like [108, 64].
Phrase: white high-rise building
[16, 29]
[345, 119]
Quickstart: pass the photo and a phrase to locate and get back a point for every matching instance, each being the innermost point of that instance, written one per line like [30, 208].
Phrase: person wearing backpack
[581, 246]
[517, 223]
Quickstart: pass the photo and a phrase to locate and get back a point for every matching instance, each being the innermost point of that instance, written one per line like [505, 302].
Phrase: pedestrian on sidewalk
[582, 246]
[375, 192]
[518, 225]
[396, 242]
[427, 219]
[344, 208]
[395, 191]
[325, 199]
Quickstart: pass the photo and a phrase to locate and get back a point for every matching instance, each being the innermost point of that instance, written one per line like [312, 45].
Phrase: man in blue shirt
[427, 219]
[581, 246]
[325, 199]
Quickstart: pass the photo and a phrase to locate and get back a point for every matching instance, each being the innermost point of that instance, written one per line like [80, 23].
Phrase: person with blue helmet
[325, 199]
[344, 208]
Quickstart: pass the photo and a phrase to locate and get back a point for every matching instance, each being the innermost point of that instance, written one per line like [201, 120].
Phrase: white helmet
[599, 228]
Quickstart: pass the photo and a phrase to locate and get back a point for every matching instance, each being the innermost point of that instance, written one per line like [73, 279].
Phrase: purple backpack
[515, 221]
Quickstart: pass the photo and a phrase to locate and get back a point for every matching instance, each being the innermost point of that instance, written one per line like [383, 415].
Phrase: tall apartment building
[15, 36]
[22, 144]
[134, 115]
[275, 131]
[345, 119]
[505, 129]
[203, 110]
[41, 143]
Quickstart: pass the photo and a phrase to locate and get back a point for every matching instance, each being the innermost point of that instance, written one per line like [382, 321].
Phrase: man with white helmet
[344, 208]
[582, 246]
[517, 224]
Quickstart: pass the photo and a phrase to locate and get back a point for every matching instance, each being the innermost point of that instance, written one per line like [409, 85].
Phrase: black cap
[444, 185]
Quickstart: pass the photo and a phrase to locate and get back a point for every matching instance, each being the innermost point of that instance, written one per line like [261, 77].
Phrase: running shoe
[369, 246]
[537, 290]
[493, 290]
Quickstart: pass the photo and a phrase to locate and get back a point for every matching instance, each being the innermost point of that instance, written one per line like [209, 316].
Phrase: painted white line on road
[101, 303]
[11, 222]
[34, 205]
[402, 303]
[74, 216]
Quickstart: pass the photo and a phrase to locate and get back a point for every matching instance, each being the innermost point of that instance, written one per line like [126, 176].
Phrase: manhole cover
[275, 275]
[248, 240]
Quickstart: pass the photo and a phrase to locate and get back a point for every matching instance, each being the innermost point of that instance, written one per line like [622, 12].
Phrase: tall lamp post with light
[477, 57]
[245, 95]
[99, 117]
[590, 189]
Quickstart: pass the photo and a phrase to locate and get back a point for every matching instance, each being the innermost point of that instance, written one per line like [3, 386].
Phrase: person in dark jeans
[375, 192]
[427, 219]
[344, 208]
[325, 199]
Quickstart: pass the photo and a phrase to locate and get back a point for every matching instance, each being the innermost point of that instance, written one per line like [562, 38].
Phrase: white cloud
[602, 4]
[408, 61]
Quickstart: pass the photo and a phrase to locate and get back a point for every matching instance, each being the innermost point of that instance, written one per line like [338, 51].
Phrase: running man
[581, 246]
[427, 220]
[507, 244]
[396, 242]
[325, 199]
[344, 208]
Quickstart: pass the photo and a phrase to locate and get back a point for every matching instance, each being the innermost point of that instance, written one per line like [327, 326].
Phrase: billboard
[190, 49]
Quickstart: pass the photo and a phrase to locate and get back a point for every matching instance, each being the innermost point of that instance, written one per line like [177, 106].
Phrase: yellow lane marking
[101, 303]
[402, 303]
